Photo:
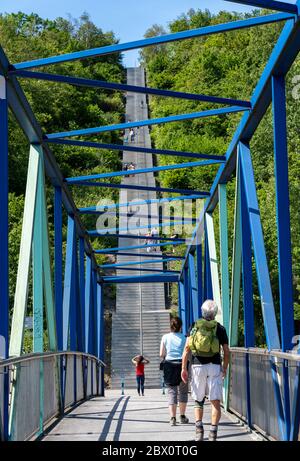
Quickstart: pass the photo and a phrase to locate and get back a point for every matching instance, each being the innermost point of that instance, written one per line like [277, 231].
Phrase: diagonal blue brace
[82, 287]
[136, 247]
[249, 330]
[134, 263]
[4, 268]
[283, 233]
[271, 329]
[119, 48]
[268, 311]
[88, 303]
[155, 169]
[182, 306]
[68, 296]
[102, 208]
[58, 278]
[173, 219]
[119, 229]
[201, 194]
[129, 88]
[162, 278]
[283, 212]
[146, 270]
[141, 237]
[135, 149]
[194, 300]
[100, 336]
[144, 255]
[270, 4]
[199, 275]
[141, 123]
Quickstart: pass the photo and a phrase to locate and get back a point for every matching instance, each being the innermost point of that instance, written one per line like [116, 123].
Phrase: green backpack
[203, 339]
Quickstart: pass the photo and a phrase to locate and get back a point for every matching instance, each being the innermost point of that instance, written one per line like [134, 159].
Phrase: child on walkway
[139, 361]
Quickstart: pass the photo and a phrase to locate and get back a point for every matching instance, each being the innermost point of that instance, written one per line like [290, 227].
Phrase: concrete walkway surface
[133, 418]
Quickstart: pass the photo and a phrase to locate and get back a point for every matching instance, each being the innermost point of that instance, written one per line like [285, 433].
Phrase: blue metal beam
[281, 59]
[150, 122]
[194, 299]
[263, 278]
[199, 275]
[135, 149]
[208, 290]
[145, 216]
[68, 298]
[119, 229]
[147, 270]
[58, 258]
[102, 208]
[269, 4]
[137, 263]
[283, 213]
[182, 306]
[142, 237]
[101, 335]
[79, 298]
[4, 269]
[88, 304]
[74, 310]
[165, 278]
[115, 174]
[128, 88]
[93, 326]
[25, 117]
[144, 255]
[120, 48]
[187, 298]
[201, 194]
[136, 247]
[283, 234]
[82, 286]
[249, 333]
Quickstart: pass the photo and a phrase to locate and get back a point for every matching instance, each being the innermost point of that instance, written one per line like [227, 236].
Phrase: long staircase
[140, 319]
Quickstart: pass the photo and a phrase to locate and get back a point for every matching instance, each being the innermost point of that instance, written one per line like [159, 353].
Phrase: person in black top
[215, 359]
[206, 338]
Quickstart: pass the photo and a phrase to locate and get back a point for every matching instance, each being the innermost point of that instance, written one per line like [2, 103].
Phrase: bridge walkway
[129, 417]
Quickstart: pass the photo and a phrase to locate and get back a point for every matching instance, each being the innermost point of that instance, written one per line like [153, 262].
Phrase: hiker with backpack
[208, 372]
[171, 350]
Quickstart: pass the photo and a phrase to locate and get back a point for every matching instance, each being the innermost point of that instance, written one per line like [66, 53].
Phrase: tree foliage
[61, 107]
[228, 65]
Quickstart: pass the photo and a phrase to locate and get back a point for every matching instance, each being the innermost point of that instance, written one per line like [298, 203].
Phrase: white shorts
[206, 380]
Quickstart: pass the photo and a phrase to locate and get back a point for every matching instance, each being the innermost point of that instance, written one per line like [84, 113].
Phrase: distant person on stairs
[139, 361]
[155, 234]
[205, 340]
[131, 135]
[171, 350]
[148, 242]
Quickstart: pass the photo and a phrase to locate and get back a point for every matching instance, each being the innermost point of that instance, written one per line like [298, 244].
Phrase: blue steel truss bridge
[262, 388]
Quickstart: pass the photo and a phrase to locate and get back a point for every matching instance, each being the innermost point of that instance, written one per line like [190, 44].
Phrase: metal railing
[43, 386]
[261, 396]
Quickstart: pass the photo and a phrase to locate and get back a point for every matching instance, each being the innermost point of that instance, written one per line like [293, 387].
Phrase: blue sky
[128, 19]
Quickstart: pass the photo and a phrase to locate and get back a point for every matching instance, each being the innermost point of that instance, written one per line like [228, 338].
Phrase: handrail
[40, 355]
[265, 352]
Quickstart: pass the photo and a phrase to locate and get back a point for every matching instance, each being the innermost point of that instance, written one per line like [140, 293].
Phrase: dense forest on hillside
[61, 107]
[227, 65]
